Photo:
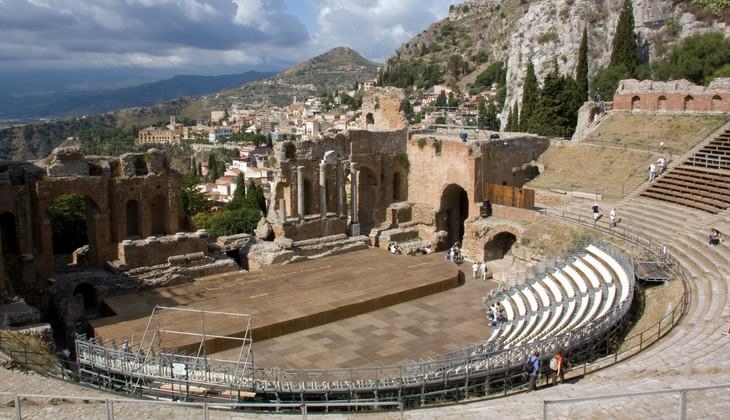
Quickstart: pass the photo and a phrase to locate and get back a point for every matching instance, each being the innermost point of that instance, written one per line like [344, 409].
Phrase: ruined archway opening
[497, 247]
[89, 296]
[72, 224]
[132, 216]
[369, 119]
[9, 232]
[717, 103]
[454, 211]
[309, 198]
[158, 215]
[662, 103]
[688, 101]
[367, 199]
[397, 187]
[636, 103]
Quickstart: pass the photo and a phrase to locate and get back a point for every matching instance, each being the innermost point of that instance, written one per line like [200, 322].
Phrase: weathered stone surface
[264, 231]
[67, 161]
[155, 159]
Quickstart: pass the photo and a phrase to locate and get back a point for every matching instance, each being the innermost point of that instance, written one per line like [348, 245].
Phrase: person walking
[596, 212]
[612, 216]
[556, 367]
[475, 270]
[484, 269]
[652, 172]
[533, 368]
[661, 165]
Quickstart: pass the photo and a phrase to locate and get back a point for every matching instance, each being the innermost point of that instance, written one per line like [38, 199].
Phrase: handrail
[681, 391]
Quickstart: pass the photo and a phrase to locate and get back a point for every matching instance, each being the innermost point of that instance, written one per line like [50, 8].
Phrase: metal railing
[681, 392]
[203, 407]
[481, 370]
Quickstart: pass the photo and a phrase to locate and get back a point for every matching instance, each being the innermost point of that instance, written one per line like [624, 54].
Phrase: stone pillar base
[355, 229]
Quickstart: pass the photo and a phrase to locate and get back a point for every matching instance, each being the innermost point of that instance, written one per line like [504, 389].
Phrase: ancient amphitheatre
[344, 322]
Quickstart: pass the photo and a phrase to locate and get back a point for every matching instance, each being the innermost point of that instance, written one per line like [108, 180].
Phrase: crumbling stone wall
[381, 109]
[108, 184]
[153, 250]
[673, 96]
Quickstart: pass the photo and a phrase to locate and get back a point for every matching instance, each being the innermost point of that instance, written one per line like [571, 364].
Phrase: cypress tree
[441, 100]
[482, 120]
[624, 42]
[581, 72]
[530, 96]
[492, 122]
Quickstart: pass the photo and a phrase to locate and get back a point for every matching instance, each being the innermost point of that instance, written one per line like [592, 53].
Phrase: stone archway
[74, 220]
[397, 195]
[636, 103]
[132, 218]
[369, 119]
[367, 199]
[688, 102]
[716, 103]
[9, 232]
[499, 245]
[662, 103]
[89, 296]
[454, 210]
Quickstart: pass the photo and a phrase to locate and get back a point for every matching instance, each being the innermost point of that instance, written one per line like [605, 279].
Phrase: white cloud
[375, 28]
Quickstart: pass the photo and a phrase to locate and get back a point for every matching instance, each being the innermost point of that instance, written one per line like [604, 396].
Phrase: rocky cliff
[515, 31]
[552, 29]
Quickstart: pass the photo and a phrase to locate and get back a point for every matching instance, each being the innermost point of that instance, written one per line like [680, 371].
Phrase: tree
[530, 96]
[67, 216]
[513, 120]
[269, 141]
[194, 201]
[492, 120]
[698, 58]
[453, 101]
[557, 110]
[239, 195]
[406, 108]
[482, 122]
[624, 42]
[581, 72]
[193, 167]
[441, 100]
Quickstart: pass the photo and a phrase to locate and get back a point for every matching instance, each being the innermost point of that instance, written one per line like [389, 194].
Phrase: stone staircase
[694, 353]
[701, 178]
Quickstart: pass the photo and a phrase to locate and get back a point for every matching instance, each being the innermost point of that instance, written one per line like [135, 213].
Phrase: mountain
[73, 103]
[337, 69]
[480, 33]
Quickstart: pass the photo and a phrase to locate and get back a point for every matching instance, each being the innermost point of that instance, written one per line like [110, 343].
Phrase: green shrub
[437, 145]
[548, 37]
[422, 143]
[401, 158]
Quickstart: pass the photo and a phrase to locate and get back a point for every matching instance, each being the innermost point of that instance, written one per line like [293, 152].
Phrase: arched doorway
[369, 119]
[132, 212]
[636, 103]
[367, 199]
[497, 247]
[717, 103]
[9, 232]
[454, 211]
[662, 103]
[73, 225]
[396, 187]
[158, 211]
[90, 298]
[308, 197]
[688, 102]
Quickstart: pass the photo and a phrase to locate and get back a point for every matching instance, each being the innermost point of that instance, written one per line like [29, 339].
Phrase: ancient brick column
[323, 190]
[300, 192]
[354, 174]
[340, 188]
[282, 210]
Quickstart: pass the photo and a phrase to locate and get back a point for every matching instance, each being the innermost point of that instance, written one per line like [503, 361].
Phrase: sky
[211, 36]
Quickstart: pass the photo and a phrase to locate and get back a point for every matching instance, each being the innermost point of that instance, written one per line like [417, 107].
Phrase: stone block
[155, 160]
[264, 231]
[67, 161]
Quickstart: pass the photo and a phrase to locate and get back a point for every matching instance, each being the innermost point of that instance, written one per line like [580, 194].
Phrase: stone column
[282, 210]
[354, 174]
[323, 190]
[340, 188]
[300, 192]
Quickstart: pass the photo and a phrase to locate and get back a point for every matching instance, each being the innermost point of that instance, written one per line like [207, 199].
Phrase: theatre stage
[281, 299]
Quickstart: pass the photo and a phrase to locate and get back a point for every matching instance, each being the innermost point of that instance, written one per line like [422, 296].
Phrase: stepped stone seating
[597, 276]
[702, 181]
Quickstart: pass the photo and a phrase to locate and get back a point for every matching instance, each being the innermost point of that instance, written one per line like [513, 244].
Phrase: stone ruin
[133, 222]
[676, 96]
[370, 187]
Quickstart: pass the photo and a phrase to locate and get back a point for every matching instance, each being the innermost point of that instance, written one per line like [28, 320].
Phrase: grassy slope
[615, 158]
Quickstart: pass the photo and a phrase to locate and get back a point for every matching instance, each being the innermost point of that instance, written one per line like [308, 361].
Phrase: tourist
[126, 347]
[715, 237]
[652, 172]
[556, 367]
[661, 164]
[429, 250]
[475, 270]
[533, 368]
[596, 212]
[484, 269]
[612, 216]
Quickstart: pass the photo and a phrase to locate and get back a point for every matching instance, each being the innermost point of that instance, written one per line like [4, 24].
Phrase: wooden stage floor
[281, 299]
